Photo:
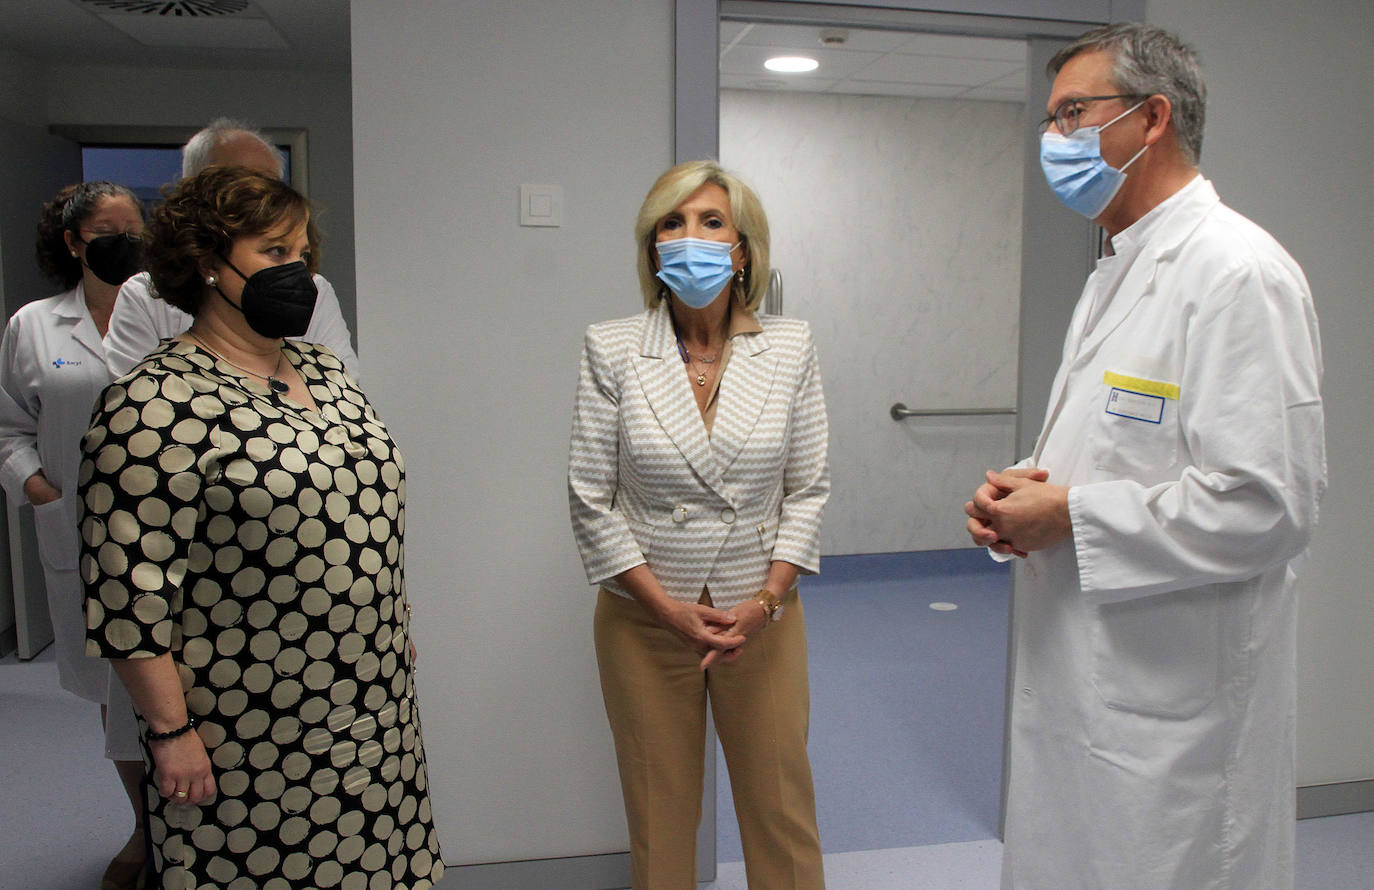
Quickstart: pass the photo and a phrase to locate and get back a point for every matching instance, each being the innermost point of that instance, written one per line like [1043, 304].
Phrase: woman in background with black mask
[52, 369]
[242, 560]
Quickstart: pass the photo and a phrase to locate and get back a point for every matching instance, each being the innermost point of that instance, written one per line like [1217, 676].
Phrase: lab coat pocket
[1135, 432]
[59, 541]
[1159, 655]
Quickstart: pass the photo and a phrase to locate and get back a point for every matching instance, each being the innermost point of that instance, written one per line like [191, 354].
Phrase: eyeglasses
[1067, 116]
[102, 232]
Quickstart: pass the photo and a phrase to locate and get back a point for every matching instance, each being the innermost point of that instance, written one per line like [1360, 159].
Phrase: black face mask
[114, 258]
[277, 301]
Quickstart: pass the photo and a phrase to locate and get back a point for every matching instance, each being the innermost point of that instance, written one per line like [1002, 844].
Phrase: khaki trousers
[656, 702]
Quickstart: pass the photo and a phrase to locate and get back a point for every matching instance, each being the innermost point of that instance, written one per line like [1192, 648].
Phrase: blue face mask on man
[1076, 172]
[695, 269]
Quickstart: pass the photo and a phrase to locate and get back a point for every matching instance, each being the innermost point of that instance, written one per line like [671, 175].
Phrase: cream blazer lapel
[749, 378]
[669, 394]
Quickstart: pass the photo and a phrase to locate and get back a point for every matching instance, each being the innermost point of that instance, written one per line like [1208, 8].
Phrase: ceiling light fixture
[791, 64]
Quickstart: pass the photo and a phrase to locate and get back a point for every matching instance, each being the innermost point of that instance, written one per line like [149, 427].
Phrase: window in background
[144, 168]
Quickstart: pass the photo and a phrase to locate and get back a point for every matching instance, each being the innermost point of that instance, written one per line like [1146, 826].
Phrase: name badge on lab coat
[1137, 398]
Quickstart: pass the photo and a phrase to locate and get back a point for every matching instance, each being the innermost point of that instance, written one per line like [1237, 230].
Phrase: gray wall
[471, 337]
[22, 100]
[1288, 143]
[34, 168]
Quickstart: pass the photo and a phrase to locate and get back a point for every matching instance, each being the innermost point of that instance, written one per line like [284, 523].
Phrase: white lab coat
[1152, 723]
[52, 370]
[141, 321]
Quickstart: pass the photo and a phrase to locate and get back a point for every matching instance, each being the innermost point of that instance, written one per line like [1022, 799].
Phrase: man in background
[140, 321]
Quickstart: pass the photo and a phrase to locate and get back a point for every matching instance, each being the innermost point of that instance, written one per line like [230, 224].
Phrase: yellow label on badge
[1141, 385]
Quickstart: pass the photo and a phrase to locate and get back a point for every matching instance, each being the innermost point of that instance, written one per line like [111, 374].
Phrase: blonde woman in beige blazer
[696, 480]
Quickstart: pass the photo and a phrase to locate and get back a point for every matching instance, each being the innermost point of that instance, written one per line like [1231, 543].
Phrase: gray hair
[198, 153]
[1147, 60]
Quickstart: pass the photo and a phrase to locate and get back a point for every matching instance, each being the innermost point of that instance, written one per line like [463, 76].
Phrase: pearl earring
[210, 280]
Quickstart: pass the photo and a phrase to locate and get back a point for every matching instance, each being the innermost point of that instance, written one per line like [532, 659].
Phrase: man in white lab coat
[141, 321]
[1171, 493]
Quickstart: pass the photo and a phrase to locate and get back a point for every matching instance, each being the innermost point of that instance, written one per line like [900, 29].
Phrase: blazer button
[679, 514]
[727, 515]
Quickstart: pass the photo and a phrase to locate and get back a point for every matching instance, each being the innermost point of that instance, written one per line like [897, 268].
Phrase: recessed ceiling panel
[809, 37]
[903, 68]
[221, 33]
[169, 7]
[961, 47]
[744, 59]
[875, 63]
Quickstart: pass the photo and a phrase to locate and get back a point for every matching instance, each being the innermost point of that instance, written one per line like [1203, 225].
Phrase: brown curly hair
[202, 216]
[71, 207]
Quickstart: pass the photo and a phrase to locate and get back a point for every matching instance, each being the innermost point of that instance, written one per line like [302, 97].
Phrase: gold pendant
[701, 380]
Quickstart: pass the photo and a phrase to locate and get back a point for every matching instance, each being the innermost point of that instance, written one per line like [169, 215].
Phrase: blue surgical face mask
[695, 269]
[1076, 172]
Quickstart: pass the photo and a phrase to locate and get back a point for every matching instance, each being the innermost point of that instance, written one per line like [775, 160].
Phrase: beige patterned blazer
[647, 484]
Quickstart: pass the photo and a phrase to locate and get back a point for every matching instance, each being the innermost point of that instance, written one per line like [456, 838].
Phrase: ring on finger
[178, 793]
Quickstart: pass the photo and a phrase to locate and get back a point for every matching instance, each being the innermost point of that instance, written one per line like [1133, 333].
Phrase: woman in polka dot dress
[242, 557]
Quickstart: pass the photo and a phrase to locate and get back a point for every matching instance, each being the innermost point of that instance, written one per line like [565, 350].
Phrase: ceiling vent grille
[189, 8]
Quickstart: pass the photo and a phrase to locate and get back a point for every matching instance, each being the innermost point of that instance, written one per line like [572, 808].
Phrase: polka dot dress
[260, 544]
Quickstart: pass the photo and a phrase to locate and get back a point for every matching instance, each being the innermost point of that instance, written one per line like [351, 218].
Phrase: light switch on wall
[541, 205]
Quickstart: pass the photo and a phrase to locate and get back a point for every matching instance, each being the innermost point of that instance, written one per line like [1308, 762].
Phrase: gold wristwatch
[772, 606]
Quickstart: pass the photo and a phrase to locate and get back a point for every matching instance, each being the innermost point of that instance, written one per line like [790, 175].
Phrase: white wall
[896, 224]
[471, 329]
[1289, 142]
[316, 101]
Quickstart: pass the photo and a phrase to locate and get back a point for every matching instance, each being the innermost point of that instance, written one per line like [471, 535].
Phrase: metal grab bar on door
[901, 412]
[772, 300]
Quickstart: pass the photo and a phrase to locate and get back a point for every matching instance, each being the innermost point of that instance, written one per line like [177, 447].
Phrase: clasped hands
[718, 636]
[1017, 511]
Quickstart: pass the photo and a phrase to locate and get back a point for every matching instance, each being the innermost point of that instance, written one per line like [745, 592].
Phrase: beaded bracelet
[173, 733]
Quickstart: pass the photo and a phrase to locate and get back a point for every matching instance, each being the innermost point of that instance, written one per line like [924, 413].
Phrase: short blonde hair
[676, 186]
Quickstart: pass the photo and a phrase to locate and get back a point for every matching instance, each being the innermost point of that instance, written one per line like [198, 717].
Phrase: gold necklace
[274, 383]
[691, 360]
[701, 372]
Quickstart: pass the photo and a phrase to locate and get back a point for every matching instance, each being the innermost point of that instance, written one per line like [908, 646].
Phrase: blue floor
[906, 701]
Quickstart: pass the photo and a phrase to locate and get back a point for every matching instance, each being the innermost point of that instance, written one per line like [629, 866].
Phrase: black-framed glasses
[1071, 111]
